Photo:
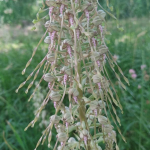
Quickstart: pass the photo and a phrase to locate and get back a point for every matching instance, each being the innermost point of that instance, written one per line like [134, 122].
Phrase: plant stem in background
[142, 103]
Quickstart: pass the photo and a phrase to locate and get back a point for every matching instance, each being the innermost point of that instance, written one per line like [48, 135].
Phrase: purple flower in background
[116, 57]
[143, 66]
[134, 75]
[132, 71]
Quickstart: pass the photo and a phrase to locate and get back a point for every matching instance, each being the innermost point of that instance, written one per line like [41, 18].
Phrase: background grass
[16, 44]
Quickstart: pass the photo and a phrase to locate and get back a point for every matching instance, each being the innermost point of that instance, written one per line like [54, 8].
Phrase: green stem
[142, 103]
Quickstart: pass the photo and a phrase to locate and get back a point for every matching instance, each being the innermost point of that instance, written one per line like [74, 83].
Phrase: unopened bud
[73, 91]
[96, 78]
[55, 96]
[51, 57]
[71, 140]
[108, 128]
[103, 120]
[101, 13]
[68, 117]
[62, 136]
[47, 40]
[55, 119]
[49, 78]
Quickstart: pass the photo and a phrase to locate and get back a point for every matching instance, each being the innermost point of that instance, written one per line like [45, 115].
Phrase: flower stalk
[75, 66]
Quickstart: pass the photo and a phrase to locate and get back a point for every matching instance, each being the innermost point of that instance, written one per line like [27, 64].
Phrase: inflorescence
[75, 66]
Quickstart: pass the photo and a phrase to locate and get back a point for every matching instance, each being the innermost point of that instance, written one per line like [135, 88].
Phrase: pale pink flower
[132, 71]
[94, 42]
[98, 63]
[65, 78]
[49, 85]
[101, 29]
[87, 15]
[55, 105]
[99, 86]
[95, 111]
[69, 50]
[139, 86]
[134, 75]
[62, 9]
[50, 11]
[78, 33]
[85, 139]
[116, 57]
[71, 21]
[143, 66]
[75, 99]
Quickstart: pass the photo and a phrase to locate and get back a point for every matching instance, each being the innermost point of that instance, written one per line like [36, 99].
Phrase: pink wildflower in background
[132, 71]
[134, 75]
[143, 66]
[116, 57]
[139, 86]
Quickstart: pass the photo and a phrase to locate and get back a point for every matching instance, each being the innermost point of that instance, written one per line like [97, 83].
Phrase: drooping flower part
[75, 64]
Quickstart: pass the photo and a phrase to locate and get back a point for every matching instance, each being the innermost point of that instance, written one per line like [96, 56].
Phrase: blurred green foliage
[128, 8]
[17, 11]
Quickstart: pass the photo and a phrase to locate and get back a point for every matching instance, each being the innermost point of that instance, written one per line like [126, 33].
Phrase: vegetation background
[131, 48]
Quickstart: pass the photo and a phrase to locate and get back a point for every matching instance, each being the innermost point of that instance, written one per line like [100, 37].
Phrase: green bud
[55, 96]
[62, 137]
[47, 40]
[49, 78]
[101, 13]
[103, 120]
[50, 57]
[96, 79]
[73, 91]
[55, 119]
[68, 117]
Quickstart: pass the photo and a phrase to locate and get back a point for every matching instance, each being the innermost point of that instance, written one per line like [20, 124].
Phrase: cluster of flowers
[75, 64]
[133, 73]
